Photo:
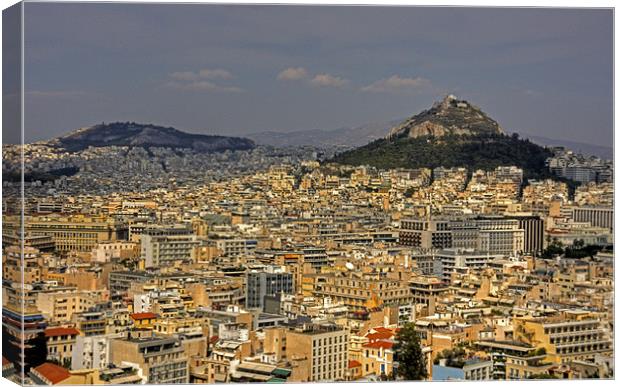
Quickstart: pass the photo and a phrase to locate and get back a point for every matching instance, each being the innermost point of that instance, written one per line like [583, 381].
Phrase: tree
[408, 353]
[578, 243]
[554, 249]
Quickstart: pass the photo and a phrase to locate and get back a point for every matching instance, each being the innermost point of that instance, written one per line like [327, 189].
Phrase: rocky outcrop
[450, 116]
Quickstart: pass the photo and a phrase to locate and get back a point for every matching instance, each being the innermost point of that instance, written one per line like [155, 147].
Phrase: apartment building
[92, 351]
[315, 256]
[91, 322]
[533, 232]
[60, 342]
[217, 292]
[426, 289]
[162, 247]
[326, 348]
[376, 354]
[162, 359]
[43, 243]
[108, 251]
[59, 304]
[455, 259]
[527, 365]
[364, 290]
[31, 266]
[21, 331]
[120, 282]
[500, 351]
[568, 336]
[234, 247]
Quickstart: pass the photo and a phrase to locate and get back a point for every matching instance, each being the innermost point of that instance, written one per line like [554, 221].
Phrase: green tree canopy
[408, 353]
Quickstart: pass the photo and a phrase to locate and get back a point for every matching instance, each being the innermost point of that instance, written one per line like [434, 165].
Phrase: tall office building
[426, 233]
[499, 235]
[492, 234]
[598, 216]
[533, 232]
[269, 281]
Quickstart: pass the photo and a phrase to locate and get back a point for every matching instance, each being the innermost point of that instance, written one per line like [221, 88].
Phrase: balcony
[576, 333]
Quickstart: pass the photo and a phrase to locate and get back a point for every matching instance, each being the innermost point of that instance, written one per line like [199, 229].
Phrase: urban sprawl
[170, 266]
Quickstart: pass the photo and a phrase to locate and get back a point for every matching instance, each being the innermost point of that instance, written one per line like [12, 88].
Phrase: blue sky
[239, 69]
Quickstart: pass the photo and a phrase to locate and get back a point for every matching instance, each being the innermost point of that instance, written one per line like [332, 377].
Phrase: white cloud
[215, 74]
[321, 80]
[202, 81]
[204, 74]
[184, 75]
[293, 74]
[532, 92]
[204, 86]
[328, 80]
[397, 84]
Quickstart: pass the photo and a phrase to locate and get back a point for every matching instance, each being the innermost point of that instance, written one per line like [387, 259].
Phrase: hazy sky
[242, 69]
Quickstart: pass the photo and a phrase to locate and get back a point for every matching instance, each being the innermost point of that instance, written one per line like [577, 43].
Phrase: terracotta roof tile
[379, 344]
[354, 364]
[52, 372]
[143, 316]
[61, 331]
[380, 335]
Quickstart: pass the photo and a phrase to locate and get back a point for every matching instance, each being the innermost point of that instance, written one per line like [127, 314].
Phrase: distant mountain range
[341, 137]
[351, 137]
[146, 135]
[604, 152]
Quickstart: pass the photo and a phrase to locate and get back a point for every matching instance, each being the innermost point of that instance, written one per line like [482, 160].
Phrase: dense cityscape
[159, 265]
[215, 193]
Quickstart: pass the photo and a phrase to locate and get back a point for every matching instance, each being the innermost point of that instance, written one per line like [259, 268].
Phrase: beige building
[59, 304]
[324, 346]
[162, 360]
[60, 342]
[71, 233]
[12, 265]
[569, 336]
[426, 289]
[364, 290]
[120, 250]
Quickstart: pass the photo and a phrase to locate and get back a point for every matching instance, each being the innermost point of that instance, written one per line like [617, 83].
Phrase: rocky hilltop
[453, 133]
[146, 135]
[448, 117]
